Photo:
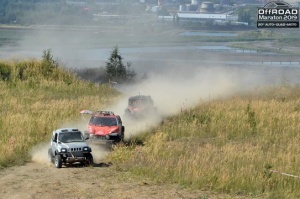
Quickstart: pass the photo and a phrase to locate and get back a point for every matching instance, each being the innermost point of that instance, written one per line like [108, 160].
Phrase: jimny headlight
[86, 149]
[63, 150]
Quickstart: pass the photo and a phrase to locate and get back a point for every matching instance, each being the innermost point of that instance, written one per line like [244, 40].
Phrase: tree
[49, 65]
[116, 70]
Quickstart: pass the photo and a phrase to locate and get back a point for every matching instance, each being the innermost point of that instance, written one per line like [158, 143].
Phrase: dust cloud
[100, 151]
[181, 88]
[39, 153]
[177, 89]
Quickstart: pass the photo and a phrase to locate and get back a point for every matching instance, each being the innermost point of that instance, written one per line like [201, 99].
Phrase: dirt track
[35, 180]
[41, 180]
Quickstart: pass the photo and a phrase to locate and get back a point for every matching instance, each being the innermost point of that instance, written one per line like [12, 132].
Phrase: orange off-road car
[104, 125]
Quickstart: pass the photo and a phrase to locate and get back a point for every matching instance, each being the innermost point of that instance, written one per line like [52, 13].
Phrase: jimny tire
[58, 161]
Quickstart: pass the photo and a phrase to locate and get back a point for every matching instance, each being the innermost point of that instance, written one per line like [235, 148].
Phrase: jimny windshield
[70, 137]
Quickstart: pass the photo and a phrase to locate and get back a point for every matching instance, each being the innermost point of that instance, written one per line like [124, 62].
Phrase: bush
[5, 72]
[49, 65]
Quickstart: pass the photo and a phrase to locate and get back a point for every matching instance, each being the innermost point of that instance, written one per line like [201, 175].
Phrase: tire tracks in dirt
[35, 181]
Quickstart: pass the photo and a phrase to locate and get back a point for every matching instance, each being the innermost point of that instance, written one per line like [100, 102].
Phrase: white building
[196, 16]
[199, 17]
[218, 19]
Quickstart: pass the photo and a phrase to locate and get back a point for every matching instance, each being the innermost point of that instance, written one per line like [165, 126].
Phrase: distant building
[199, 16]
[218, 19]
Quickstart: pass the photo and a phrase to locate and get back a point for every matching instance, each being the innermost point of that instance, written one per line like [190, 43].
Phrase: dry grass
[227, 146]
[33, 105]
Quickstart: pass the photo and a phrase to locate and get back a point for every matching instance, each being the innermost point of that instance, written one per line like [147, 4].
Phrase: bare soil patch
[35, 180]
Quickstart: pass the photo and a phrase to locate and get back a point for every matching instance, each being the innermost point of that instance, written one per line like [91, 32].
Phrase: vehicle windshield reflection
[71, 137]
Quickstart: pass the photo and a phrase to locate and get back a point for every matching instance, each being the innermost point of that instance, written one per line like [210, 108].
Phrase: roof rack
[69, 130]
[104, 112]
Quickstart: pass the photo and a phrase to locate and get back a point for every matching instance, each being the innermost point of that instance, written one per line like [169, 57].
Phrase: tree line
[32, 12]
[114, 71]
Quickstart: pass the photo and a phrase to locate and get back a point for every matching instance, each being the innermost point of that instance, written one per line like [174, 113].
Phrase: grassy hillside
[231, 146]
[226, 146]
[37, 97]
